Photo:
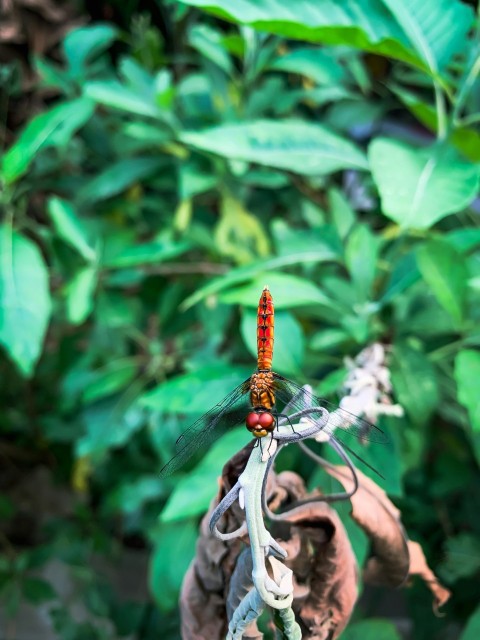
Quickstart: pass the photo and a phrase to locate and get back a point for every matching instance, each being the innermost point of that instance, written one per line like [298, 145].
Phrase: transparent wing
[345, 426]
[231, 411]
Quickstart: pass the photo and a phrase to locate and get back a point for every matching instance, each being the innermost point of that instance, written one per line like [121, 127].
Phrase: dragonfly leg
[270, 443]
[284, 415]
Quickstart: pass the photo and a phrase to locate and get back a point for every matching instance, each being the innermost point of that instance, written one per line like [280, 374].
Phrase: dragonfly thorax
[262, 390]
[260, 421]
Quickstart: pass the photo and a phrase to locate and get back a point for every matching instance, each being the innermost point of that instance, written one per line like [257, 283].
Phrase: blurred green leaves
[79, 295]
[69, 227]
[83, 44]
[467, 370]
[415, 383]
[119, 177]
[436, 30]
[239, 234]
[472, 629]
[166, 576]
[195, 392]
[371, 630]
[290, 291]
[361, 257]
[53, 128]
[25, 303]
[445, 271]
[418, 187]
[297, 146]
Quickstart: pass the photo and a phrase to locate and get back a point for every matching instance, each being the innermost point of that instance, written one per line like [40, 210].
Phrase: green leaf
[363, 24]
[118, 177]
[472, 629]
[465, 139]
[185, 503]
[83, 44]
[36, 590]
[7, 507]
[52, 128]
[361, 259]
[79, 295]
[332, 382]
[69, 227]
[316, 64]
[462, 557]
[147, 135]
[131, 496]
[51, 75]
[239, 234]
[25, 303]
[435, 28]
[444, 269]
[193, 179]
[247, 272]
[301, 147]
[112, 93]
[464, 239]
[322, 240]
[174, 548]
[146, 253]
[110, 379]
[414, 382]
[289, 345]
[195, 392]
[467, 375]
[288, 291]
[418, 187]
[404, 274]
[371, 630]
[342, 213]
[109, 423]
[208, 42]
[327, 339]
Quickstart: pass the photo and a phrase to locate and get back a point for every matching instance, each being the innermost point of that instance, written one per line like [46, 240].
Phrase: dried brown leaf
[205, 586]
[395, 558]
[320, 555]
[419, 566]
[374, 512]
[323, 562]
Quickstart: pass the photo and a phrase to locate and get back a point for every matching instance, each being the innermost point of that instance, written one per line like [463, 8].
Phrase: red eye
[266, 420]
[252, 420]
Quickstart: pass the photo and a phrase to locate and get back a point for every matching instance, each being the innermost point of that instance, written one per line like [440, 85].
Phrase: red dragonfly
[254, 402]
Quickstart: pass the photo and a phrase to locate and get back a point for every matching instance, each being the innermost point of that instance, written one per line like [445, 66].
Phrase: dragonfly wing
[228, 413]
[340, 422]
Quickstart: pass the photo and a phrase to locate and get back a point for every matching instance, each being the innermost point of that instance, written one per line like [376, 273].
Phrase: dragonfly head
[260, 424]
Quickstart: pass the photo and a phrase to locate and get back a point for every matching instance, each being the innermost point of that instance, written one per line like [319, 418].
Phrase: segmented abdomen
[265, 331]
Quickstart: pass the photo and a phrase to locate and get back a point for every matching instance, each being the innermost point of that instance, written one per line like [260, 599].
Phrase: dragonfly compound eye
[266, 421]
[252, 421]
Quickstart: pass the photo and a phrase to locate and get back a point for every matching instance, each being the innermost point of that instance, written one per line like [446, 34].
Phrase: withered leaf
[374, 512]
[395, 557]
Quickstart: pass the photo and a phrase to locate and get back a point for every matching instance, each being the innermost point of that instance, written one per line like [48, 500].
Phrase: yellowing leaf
[239, 234]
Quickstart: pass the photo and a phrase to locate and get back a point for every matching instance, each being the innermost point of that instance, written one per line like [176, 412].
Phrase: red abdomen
[265, 331]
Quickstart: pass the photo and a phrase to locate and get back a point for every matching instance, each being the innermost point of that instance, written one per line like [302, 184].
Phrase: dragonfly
[256, 401]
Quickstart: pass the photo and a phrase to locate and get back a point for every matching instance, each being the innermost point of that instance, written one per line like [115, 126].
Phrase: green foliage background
[331, 151]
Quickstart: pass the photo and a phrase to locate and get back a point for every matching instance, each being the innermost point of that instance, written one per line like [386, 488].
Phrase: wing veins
[204, 430]
[354, 425]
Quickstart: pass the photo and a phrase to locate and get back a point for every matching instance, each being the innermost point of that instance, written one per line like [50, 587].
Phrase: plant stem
[465, 90]
[442, 120]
